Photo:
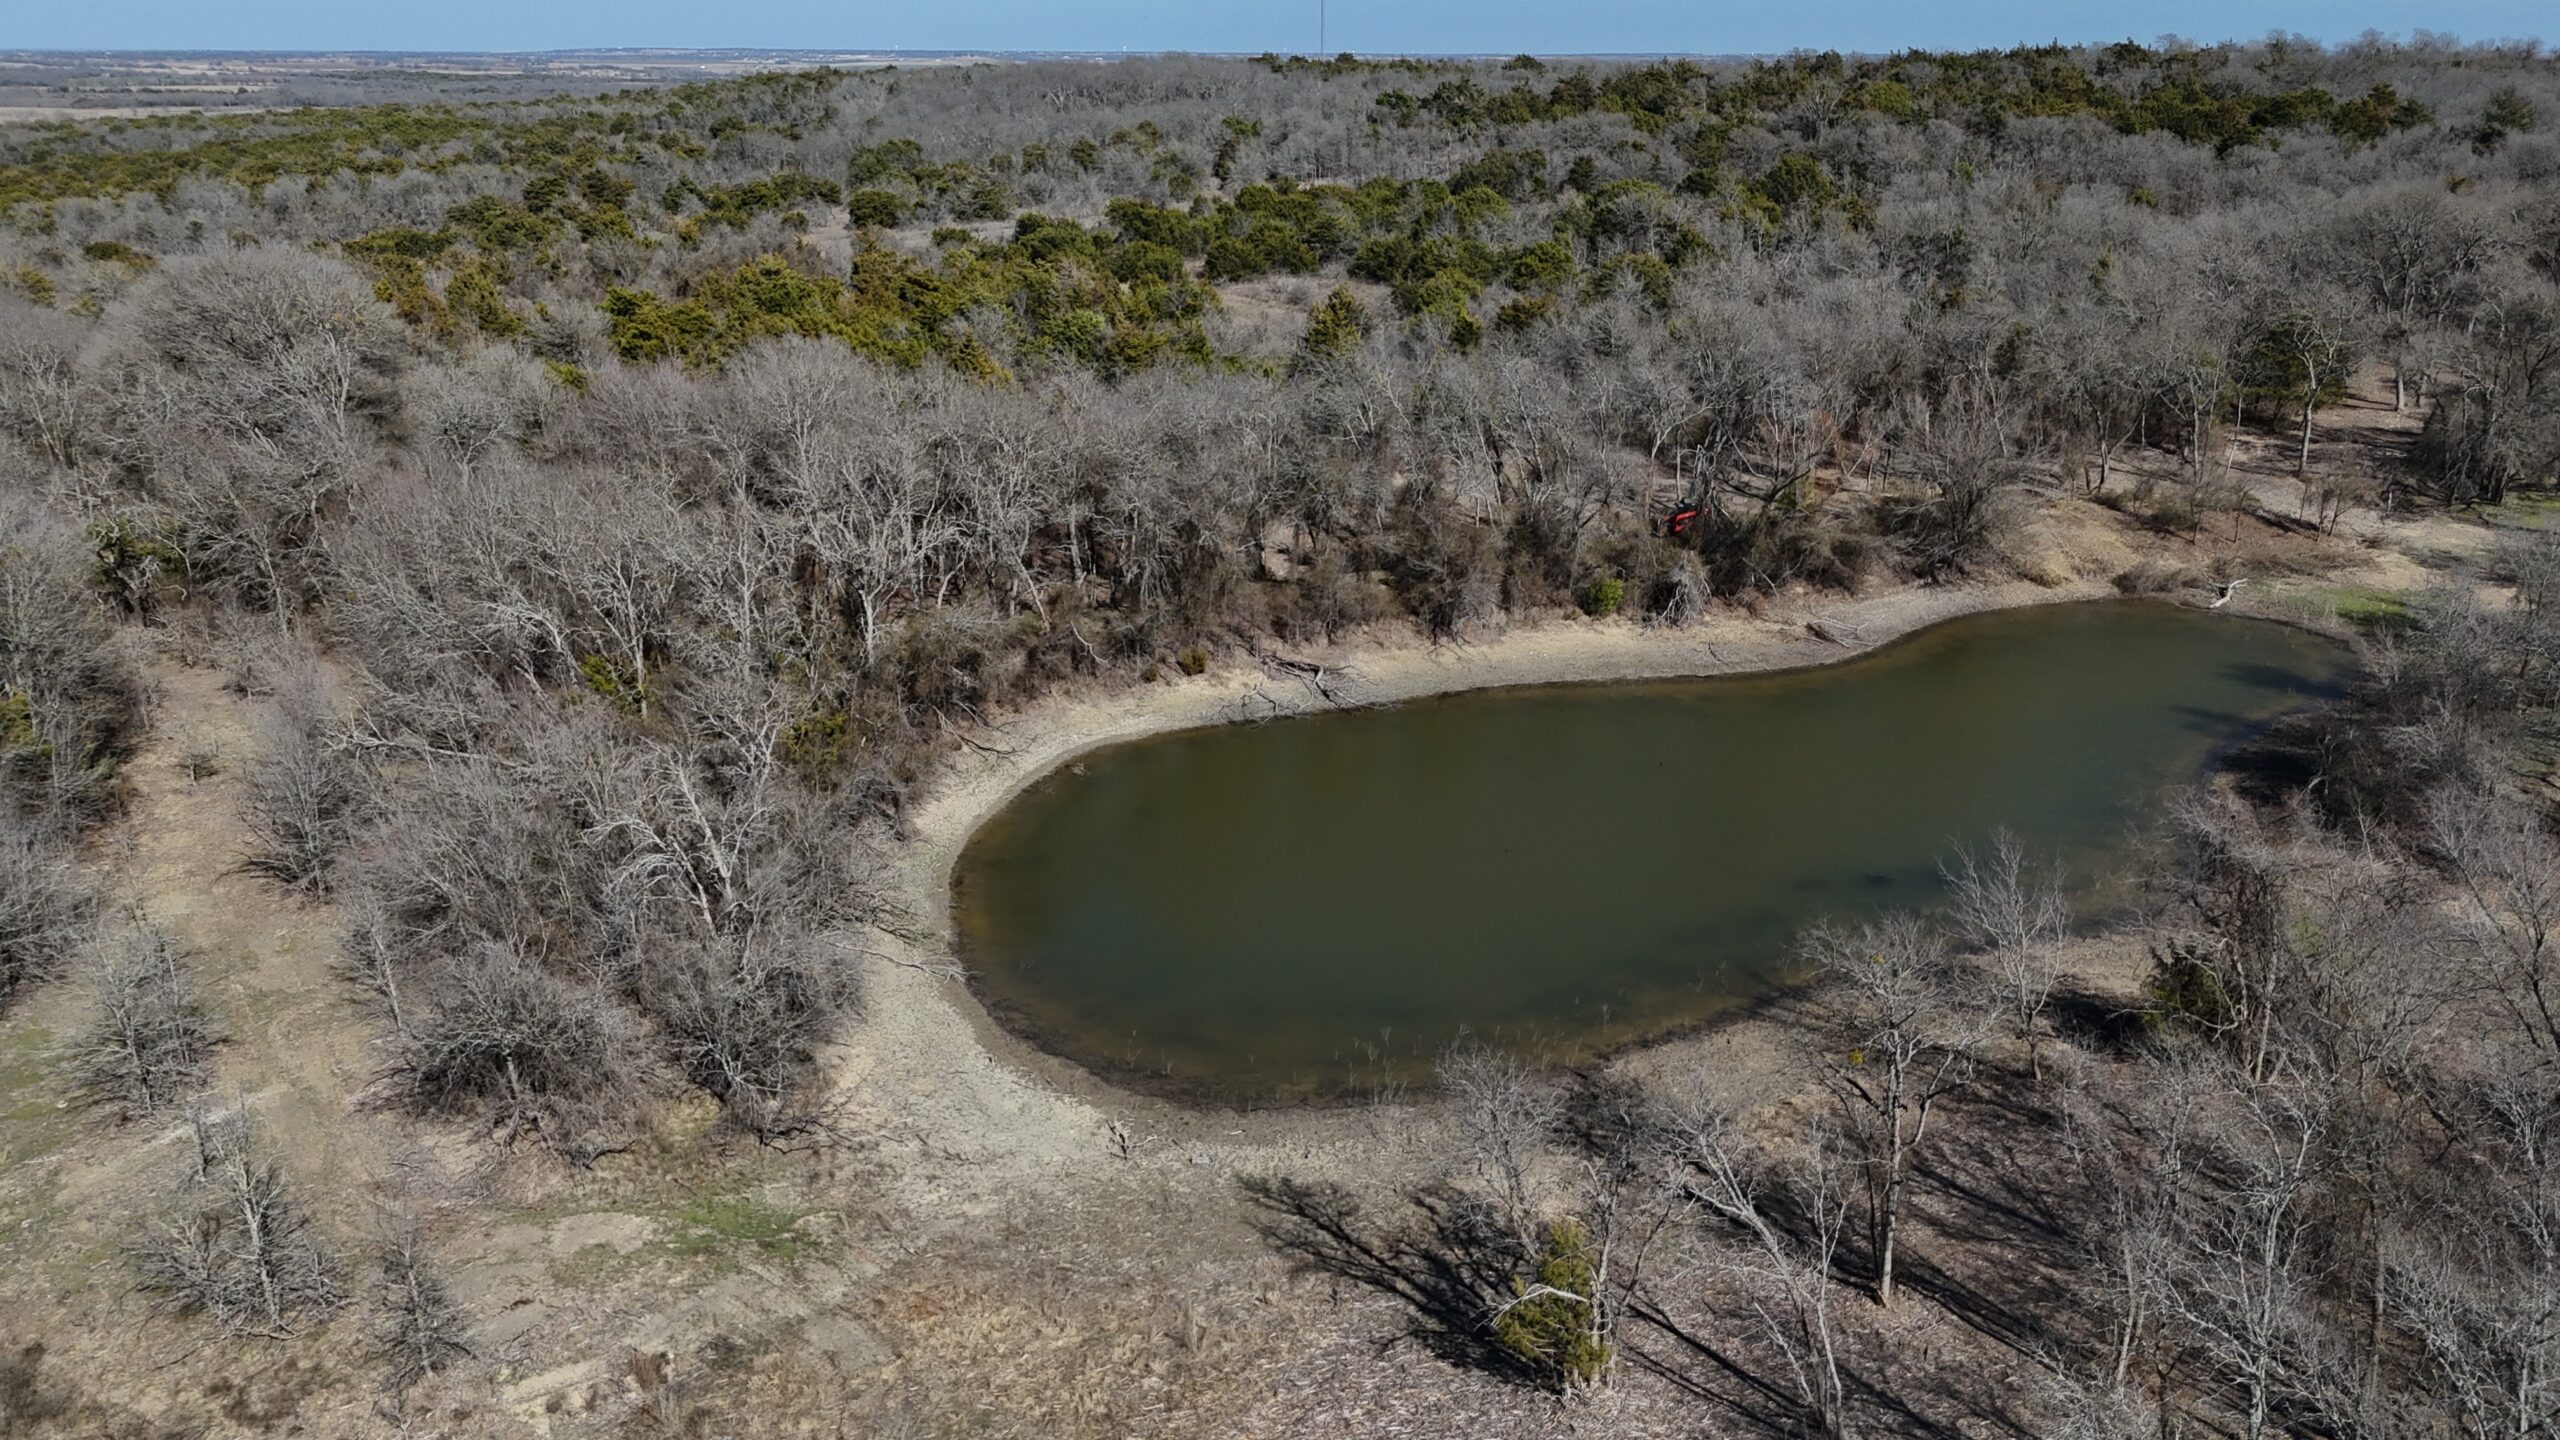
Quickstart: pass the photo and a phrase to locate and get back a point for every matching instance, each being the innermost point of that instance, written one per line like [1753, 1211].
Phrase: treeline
[1016, 219]
[2218, 96]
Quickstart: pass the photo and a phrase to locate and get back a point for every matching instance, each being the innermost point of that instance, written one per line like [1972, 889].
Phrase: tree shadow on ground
[1448, 1270]
[2102, 1022]
[2001, 1226]
[1698, 1367]
[2280, 762]
[1988, 1186]
[1437, 1259]
[1747, 1385]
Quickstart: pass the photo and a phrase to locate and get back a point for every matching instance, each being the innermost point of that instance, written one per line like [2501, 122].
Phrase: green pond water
[1311, 907]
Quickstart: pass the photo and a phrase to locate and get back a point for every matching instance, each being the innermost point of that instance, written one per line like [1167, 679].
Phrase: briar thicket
[625, 497]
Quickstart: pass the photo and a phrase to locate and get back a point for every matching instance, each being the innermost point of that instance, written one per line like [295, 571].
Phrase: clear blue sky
[1492, 26]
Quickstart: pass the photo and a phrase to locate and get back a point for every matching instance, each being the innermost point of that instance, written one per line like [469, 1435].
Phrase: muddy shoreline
[927, 1025]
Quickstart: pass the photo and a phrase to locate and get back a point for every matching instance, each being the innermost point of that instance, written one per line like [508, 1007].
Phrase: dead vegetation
[148, 1043]
[235, 1245]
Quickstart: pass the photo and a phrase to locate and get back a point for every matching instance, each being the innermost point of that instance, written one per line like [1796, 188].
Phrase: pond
[1309, 908]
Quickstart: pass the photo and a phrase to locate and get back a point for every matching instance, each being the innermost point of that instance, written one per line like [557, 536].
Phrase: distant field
[22, 114]
[43, 85]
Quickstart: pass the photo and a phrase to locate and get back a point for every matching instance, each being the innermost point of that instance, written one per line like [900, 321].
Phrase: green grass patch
[717, 1226]
[2528, 512]
[33, 1123]
[2365, 607]
[717, 1230]
[722, 1222]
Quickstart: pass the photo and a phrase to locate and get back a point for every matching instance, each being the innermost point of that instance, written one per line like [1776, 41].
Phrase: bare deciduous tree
[1592, 1269]
[2129, 1147]
[69, 699]
[1912, 1038]
[45, 910]
[2314, 338]
[2473, 1288]
[2509, 869]
[1507, 1110]
[418, 1329]
[2015, 918]
[2243, 1282]
[1784, 1265]
[236, 1246]
[1964, 454]
[45, 399]
[148, 1041]
[371, 957]
[299, 796]
[498, 1034]
[745, 1022]
[2228, 878]
[248, 383]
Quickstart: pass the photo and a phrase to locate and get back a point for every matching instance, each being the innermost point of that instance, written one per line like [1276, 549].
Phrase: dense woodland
[626, 499]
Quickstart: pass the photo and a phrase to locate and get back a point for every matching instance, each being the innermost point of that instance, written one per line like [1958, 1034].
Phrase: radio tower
[1320, 17]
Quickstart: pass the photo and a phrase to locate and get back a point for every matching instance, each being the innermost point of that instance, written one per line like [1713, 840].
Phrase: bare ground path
[292, 1053]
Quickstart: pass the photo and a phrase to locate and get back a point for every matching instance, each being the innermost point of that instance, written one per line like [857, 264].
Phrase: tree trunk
[2130, 1330]
[2375, 1320]
[1889, 1207]
[2302, 465]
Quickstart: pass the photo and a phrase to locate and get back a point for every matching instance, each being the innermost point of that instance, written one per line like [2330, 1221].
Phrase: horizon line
[2414, 37]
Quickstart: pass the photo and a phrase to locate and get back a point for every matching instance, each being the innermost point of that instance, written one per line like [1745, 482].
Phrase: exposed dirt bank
[926, 1043]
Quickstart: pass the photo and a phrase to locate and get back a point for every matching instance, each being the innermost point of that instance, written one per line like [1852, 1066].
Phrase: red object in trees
[1681, 519]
